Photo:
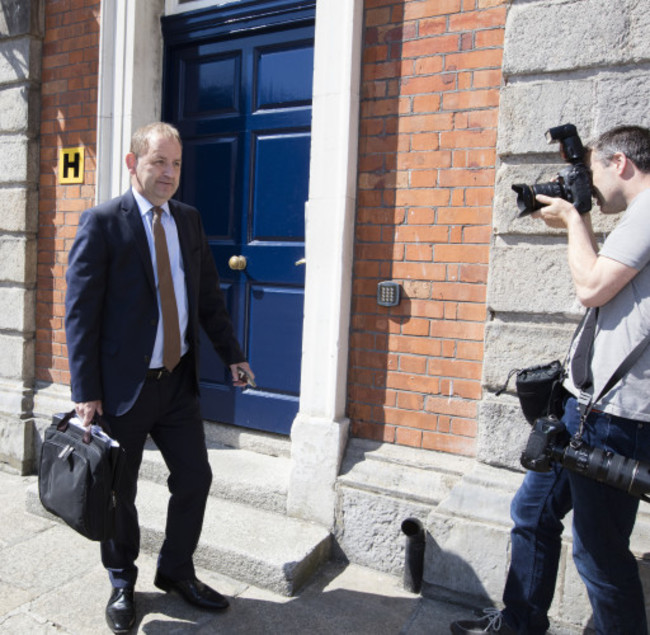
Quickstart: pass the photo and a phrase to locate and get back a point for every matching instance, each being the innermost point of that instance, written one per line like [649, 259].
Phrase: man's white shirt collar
[144, 205]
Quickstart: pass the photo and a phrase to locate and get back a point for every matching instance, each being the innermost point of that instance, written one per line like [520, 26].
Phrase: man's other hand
[237, 378]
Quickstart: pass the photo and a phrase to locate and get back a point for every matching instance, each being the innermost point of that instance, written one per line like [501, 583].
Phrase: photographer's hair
[142, 136]
[632, 141]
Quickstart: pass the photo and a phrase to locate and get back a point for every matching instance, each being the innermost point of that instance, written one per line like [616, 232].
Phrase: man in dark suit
[141, 281]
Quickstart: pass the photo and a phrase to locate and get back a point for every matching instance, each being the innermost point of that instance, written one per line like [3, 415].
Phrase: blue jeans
[603, 519]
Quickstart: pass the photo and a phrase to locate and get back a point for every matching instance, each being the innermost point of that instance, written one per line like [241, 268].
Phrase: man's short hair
[632, 141]
[142, 136]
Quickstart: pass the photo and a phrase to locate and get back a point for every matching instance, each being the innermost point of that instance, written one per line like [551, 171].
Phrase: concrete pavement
[52, 582]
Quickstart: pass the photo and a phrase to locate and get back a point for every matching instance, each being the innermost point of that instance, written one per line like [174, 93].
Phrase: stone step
[242, 476]
[253, 545]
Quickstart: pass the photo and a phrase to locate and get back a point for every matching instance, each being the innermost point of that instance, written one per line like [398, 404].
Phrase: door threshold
[233, 436]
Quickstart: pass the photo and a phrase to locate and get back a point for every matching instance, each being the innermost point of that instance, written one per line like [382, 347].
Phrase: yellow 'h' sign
[71, 165]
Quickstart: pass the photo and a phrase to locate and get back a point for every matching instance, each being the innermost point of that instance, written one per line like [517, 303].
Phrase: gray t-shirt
[625, 320]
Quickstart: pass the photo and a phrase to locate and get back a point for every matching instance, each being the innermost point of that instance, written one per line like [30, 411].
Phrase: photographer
[615, 279]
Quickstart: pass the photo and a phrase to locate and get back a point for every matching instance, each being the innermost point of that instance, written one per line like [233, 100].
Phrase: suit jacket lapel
[131, 213]
[183, 233]
[184, 240]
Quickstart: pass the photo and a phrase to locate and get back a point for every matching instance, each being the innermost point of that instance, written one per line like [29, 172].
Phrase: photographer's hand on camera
[557, 212]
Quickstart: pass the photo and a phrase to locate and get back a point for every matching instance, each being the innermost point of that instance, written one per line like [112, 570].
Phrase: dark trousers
[168, 410]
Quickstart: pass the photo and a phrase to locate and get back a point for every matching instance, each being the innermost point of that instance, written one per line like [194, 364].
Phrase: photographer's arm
[597, 279]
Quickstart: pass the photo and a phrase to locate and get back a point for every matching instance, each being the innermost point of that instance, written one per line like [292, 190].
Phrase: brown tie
[171, 330]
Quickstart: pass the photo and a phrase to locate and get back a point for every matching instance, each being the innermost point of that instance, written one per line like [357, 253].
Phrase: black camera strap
[581, 360]
[586, 401]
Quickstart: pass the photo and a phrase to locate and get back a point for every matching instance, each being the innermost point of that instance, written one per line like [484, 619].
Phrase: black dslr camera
[573, 183]
[549, 441]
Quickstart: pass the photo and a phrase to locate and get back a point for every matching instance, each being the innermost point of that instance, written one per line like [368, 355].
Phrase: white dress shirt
[178, 273]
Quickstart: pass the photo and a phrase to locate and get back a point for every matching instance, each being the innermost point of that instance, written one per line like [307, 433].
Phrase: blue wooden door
[239, 89]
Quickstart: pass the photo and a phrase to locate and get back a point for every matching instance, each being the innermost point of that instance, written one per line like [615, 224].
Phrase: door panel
[217, 81]
[281, 76]
[242, 102]
[213, 165]
[276, 310]
[278, 204]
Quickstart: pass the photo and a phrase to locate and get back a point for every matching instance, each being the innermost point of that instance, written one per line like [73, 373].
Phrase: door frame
[129, 96]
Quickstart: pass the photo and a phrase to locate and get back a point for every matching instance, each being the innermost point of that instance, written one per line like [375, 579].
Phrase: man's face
[157, 173]
[606, 185]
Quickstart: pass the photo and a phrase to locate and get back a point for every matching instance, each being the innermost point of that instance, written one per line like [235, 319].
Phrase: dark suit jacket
[111, 304]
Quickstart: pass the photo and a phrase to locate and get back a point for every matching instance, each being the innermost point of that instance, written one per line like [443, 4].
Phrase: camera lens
[526, 201]
[553, 188]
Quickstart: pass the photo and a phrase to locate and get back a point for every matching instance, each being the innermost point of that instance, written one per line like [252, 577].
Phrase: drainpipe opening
[414, 554]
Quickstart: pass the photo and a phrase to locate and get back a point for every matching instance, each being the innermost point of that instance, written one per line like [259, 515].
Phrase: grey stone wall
[21, 33]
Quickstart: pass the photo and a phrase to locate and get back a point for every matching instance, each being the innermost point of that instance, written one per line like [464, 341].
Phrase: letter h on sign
[71, 165]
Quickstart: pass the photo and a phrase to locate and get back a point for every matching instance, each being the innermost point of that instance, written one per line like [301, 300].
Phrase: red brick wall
[431, 76]
[68, 119]
[430, 92]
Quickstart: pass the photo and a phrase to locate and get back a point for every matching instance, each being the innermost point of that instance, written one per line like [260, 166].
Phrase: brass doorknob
[237, 263]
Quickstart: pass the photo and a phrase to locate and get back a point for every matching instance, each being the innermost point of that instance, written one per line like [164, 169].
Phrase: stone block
[17, 260]
[503, 432]
[505, 219]
[622, 99]
[50, 399]
[551, 37]
[21, 17]
[466, 557]
[16, 444]
[14, 110]
[368, 528]
[638, 27]
[14, 149]
[17, 358]
[20, 59]
[16, 397]
[21, 160]
[19, 210]
[18, 307]
[530, 278]
[517, 345]
[528, 109]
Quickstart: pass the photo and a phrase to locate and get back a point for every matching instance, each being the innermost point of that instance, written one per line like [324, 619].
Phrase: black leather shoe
[193, 591]
[120, 610]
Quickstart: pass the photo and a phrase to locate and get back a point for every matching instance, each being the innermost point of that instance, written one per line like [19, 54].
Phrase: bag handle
[98, 420]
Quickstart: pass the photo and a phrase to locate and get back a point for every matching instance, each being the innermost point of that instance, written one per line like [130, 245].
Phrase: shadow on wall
[372, 406]
[445, 565]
